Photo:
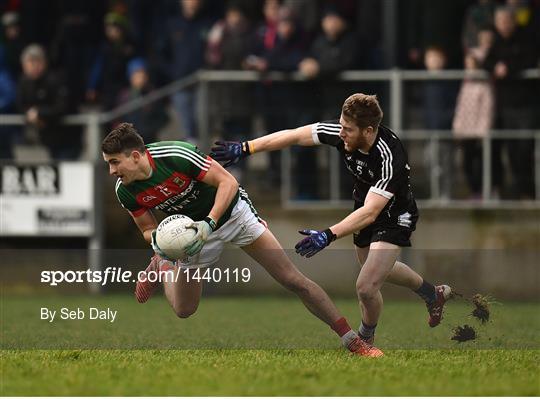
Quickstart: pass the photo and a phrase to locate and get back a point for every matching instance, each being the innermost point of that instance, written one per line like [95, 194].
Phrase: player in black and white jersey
[382, 169]
[385, 211]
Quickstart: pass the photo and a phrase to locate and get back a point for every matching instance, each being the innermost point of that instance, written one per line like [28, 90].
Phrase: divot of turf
[464, 333]
[481, 311]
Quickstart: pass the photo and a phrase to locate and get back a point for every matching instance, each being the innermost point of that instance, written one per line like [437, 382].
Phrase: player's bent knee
[366, 291]
[365, 295]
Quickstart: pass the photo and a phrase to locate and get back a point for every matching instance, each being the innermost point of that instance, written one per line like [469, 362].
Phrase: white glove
[204, 228]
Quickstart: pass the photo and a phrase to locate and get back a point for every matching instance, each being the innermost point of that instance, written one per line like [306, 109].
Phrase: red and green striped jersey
[175, 186]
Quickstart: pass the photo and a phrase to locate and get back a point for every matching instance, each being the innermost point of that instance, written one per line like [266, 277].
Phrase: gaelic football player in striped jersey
[176, 178]
[385, 211]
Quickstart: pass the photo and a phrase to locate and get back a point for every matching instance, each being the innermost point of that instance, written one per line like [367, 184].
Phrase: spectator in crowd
[308, 12]
[479, 16]
[265, 40]
[334, 50]
[266, 34]
[7, 106]
[281, 50]
[43, 98]
[108, 75]
[439, 95]
[473, 120]
[439, 104]
[13, 43]
[280, 46]
[184, 50]
[289, 46]
[511, 53]
[484, 42]
[229, 42]
[435, 23]
[282, 104]
[151, 118]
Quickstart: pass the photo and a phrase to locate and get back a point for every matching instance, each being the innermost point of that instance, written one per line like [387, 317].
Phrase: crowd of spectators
[62, 56]
[501, 41]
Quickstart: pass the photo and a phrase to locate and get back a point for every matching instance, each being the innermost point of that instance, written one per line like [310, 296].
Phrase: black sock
[427, 292]
[366, 331]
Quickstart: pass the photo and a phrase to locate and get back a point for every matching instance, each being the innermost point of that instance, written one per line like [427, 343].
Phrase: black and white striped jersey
[384, 170]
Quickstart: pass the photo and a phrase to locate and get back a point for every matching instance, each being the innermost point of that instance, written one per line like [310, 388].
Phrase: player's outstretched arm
[232, 152]
[317, 240]
[362, 217]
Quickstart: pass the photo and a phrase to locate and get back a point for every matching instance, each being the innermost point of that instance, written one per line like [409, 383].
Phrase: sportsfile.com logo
[111, 275]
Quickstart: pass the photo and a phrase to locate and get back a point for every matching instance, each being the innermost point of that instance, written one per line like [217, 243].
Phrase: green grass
[260, 346]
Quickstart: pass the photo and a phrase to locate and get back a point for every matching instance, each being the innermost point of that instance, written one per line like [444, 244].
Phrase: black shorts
[387, 232]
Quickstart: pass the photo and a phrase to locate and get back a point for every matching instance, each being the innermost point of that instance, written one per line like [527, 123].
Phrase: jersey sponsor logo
[164, 190]
[179, 182]
[350, 158]
[148, 198]
[404, 219]
[178, 202]
[176, 186]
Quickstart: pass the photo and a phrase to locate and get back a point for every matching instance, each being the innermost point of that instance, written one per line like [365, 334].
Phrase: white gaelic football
[172, 236]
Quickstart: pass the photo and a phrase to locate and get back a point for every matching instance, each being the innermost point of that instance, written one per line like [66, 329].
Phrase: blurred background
[459, 82]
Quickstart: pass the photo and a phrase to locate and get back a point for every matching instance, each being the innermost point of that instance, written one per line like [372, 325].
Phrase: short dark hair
[363, 109]
[123, 138]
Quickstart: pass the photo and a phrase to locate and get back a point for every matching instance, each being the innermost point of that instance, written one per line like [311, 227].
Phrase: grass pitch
[260, 346]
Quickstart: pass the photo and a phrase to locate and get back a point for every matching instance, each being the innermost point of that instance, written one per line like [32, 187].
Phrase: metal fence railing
[394, 79]
[434, 199]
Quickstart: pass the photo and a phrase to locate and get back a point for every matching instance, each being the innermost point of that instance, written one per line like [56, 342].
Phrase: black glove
[230, 151]
[314, 242]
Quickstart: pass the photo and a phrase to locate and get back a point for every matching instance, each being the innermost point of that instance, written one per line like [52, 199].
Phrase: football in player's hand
[172, 236]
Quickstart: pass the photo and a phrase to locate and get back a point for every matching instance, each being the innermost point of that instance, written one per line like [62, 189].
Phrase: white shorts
[243, 228]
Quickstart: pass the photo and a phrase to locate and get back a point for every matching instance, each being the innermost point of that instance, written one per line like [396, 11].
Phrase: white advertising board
[46, 199]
